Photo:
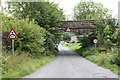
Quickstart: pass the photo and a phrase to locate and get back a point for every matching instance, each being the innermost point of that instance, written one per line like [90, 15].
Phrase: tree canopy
[90, 10]
[47, 15]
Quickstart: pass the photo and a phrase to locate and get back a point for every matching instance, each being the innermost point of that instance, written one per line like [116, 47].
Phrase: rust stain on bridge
[80, 26]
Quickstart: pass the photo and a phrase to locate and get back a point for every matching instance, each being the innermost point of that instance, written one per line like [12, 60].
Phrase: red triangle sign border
[8, 37]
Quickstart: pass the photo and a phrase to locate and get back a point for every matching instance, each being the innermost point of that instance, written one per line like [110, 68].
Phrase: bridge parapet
[77, 24]
[80, 26]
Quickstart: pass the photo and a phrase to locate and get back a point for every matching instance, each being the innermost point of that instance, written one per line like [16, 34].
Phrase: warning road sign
[68, 30]
[12, 35]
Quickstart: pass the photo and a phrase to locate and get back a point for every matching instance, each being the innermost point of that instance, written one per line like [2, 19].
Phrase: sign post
[13, 46]
[95, 45]
[12, 35]
[95, 41]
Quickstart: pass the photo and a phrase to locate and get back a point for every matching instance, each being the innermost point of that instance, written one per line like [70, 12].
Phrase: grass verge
[18, 66]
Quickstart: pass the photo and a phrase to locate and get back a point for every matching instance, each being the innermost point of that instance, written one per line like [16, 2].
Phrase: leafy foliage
[67, 37]
[85, 42]
[89, 10]
[117, 33]
[88, 51]
[106, 32]
[47, 14]
[115, 57]
[105, 24]
[31, 35]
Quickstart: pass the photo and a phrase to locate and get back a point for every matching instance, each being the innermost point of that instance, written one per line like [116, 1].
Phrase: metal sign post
[13, 46]
[95, 41]
[12, 35]
[95, 45]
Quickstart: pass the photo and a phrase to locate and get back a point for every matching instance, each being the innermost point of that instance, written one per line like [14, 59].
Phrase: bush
[88, 51]
[115, 57]
[50, 45]
[31, 36]
[118, 36]
[66, 37]
[85, 41]
[102, 49]
[108, 60]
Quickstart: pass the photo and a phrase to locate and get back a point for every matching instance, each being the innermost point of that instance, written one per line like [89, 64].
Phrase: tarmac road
[70, 65]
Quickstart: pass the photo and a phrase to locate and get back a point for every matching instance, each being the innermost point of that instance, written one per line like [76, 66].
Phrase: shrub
[66, 37]
[102, 49]
[115, 57]
[50, 45]
[31, 35]
[88, 51]
[85, 41]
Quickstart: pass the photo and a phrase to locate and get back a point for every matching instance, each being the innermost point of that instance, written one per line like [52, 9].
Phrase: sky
[68, 6]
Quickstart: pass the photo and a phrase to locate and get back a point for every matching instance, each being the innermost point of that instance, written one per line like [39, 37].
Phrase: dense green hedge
[31, 35]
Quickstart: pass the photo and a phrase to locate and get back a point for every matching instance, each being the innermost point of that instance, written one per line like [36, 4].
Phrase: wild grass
[21, 65]
[104, 60]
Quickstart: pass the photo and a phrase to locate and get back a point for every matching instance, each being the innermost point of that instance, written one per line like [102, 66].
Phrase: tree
[89, 10]
[47, 14]
[105, 24]
[105, 29]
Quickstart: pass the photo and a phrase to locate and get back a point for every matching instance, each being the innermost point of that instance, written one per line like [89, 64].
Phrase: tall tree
[89, 10]
[47, 14]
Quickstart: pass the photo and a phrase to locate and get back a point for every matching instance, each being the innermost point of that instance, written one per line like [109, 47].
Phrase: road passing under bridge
[70, 65]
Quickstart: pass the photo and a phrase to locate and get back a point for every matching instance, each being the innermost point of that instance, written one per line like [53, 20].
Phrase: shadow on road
[67, 53]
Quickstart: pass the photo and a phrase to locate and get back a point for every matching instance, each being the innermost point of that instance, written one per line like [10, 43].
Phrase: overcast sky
[68, 5]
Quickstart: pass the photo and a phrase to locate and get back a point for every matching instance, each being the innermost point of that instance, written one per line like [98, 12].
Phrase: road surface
[69, 65]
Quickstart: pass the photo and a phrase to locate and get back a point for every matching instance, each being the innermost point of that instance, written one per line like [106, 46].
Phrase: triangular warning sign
[12, 35]
[68, 30]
